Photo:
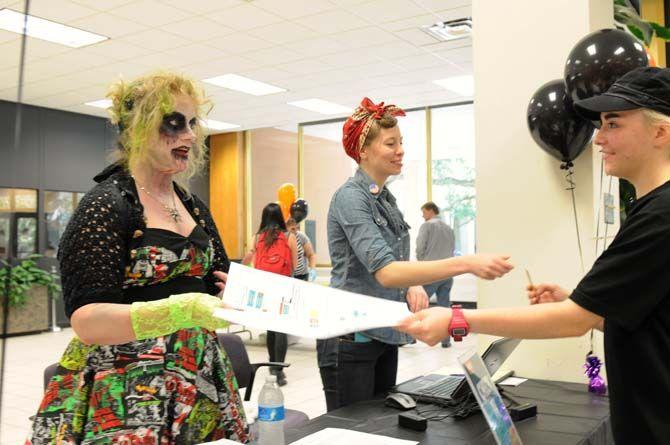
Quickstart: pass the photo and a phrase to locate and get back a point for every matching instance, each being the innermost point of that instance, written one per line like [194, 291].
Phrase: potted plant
[29, 289]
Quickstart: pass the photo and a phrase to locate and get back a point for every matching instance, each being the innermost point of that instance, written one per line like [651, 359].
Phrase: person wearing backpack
[275, 250]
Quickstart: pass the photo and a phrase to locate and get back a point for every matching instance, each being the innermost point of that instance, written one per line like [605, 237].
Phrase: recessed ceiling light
[244, 85]
[450, 30]
[321, 106]
[218, 125]
[463, 85]
[102, 103]
[13, 21]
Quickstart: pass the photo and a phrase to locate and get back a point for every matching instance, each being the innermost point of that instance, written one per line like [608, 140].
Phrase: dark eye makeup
[175, 123]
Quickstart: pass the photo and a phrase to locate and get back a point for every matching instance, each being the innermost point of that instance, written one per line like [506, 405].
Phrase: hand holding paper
[274, 302]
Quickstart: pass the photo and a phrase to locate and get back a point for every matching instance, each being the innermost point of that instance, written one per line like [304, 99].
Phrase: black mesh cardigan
[94, 248]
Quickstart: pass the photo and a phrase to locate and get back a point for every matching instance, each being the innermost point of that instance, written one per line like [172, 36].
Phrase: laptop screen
[489, 400]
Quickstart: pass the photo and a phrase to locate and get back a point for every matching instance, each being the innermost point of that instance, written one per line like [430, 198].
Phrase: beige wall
[327, 167]
[522, 206]
[274, 161]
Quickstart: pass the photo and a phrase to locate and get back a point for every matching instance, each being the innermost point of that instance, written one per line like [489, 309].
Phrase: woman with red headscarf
[368, 240]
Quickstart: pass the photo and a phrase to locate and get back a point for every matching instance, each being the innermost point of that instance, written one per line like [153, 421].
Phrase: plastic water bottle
[271, 413]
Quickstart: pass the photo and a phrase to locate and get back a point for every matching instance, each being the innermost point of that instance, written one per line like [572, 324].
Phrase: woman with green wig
[142, 264]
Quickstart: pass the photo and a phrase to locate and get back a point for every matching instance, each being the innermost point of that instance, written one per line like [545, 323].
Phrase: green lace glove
[151, 319]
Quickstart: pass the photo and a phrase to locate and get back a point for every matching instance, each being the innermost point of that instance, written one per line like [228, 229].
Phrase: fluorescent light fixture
[244, 85]
[13, 21]
[218, 125]
[463, 85]
[450, 30]
[320, 106]
[102, 103]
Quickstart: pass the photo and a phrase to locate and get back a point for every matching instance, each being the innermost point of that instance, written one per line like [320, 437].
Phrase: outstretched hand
[546, 293]
[430, 325]
[221, 284]
[489, 266]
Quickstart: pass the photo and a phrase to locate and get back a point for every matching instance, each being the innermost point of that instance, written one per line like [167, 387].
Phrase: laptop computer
[489, 400]
[447, 390]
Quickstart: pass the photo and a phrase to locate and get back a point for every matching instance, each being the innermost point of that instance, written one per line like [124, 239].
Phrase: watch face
[461, 332]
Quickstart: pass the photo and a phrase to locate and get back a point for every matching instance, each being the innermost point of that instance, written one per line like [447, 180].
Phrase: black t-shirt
[629, 286]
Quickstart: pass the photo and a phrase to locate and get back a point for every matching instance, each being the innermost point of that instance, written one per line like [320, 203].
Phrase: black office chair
[245, 373]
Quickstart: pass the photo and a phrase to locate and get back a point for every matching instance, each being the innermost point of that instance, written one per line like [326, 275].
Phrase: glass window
[411, 187]
[18, 222]
[453, 171]
[327, 167]
[58, 209]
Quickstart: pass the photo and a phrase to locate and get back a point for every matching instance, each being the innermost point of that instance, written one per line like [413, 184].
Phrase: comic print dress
[176, 389]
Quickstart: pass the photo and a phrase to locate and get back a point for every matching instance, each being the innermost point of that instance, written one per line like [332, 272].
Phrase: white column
[523, 208]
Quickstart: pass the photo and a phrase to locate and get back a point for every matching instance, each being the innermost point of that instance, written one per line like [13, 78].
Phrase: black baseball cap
[646, 87]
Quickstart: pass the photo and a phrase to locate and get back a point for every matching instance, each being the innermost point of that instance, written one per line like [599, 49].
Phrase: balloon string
[568, 166]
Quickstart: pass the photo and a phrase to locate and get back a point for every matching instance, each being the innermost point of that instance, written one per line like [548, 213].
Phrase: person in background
[141, 265]
[368, 240]
[306, 266]
[435, 242]
[275, 250]
[627, 291]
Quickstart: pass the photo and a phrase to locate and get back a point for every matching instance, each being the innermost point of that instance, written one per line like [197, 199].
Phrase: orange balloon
[286, 195]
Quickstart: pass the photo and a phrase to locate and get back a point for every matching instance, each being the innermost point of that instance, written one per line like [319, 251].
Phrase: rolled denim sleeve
[353, 212]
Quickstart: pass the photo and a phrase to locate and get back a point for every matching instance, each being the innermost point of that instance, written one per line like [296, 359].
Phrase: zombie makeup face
[176, 137]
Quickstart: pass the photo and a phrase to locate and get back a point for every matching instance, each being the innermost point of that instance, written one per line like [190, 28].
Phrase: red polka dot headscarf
[357, 127]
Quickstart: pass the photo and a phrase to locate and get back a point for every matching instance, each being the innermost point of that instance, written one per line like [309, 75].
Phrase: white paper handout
[268, 301]
[338, 436]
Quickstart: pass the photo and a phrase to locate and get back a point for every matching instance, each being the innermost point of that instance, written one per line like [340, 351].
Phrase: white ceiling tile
[331, 22]
[203, 6]
[108, 25]
[155, 39]
[308, 66]
[450, 45]
[420, 61]
[238, 43]
[284, 32]
[267, 75]
[6, 36]
[388, 10]
[411, 22]
[199, 29]
[273, 56]
[416, 37]
[103, 5]
[347, 3]
[59, 11]
[211, 68]
[291, 9]
[244, 17]
[437, 5]
[118, 50]
[61, 100]
[184, 55]
[35, 49]
[152, 13]
[458, 12]
[457, 55]
[349, 58]
[395, 50]
[317, 47]
[361, 38]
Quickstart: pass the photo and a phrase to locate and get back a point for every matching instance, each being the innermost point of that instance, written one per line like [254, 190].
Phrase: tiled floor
[28, 356]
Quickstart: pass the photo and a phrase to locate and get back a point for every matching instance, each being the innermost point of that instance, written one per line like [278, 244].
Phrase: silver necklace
[172, 211]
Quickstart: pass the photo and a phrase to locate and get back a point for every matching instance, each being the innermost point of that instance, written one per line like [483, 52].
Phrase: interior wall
[523, 208]
[274, 161]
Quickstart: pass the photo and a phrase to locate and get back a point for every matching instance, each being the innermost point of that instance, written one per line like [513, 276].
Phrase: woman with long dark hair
[275, 250]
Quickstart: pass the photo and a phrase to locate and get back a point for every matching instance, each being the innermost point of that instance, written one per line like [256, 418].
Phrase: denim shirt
[366, 232]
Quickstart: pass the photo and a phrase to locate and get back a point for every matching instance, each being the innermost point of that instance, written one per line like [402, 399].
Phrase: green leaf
[628, 16]
[661, 31]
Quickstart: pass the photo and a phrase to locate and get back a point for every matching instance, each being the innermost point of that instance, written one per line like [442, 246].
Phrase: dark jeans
[329, 382]
[277, 344]
[364, 370]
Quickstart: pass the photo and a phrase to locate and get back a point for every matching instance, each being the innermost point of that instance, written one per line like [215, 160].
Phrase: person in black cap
[627, 292]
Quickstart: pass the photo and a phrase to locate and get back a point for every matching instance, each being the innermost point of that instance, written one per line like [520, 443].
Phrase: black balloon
[599, 59]
[554, 124]
[299, 210]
